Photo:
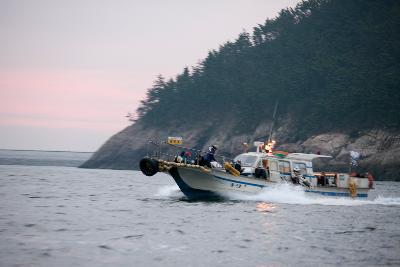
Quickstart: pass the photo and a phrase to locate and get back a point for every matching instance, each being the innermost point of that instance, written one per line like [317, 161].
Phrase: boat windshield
[246, 160]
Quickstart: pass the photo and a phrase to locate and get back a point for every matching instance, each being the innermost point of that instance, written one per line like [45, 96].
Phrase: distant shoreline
[37, 150]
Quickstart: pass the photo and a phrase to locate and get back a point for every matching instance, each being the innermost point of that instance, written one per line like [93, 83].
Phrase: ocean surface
[66, 216]
[43, 158]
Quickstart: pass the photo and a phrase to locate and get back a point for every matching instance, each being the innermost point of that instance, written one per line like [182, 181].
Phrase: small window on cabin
[246, 160]
[273, 165]
[284, 166]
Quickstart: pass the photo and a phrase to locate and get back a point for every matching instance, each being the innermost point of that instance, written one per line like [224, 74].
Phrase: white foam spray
[169, 191]
[288, 194]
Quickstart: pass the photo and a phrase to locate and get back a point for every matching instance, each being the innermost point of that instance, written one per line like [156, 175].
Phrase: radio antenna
[273, 121]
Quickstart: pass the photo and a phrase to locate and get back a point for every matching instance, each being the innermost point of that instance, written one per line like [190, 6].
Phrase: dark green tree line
[333, 64]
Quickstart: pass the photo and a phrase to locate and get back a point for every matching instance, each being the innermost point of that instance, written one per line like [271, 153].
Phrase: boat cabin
[277, 168]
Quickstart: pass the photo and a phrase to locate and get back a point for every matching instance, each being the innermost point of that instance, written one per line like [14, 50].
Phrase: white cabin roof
[304, 156]
[290, 156]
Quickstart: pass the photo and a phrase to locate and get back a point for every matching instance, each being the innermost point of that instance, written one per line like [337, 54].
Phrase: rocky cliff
[379, 149]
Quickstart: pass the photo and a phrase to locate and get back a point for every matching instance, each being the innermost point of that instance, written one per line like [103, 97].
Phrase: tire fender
[148, 166]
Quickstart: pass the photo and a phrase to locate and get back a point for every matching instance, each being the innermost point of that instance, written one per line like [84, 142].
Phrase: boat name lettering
[236, 185]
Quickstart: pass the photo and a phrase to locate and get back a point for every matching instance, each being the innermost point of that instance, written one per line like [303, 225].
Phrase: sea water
[43, 158]
[66, 216]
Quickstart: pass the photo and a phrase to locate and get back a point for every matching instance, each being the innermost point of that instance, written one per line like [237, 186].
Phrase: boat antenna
[273, 121]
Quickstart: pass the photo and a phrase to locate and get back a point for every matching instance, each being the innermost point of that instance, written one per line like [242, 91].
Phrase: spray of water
[168, 191]
[288, 194]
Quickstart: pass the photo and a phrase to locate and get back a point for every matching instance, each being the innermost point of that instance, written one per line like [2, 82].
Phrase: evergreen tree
[333, 64]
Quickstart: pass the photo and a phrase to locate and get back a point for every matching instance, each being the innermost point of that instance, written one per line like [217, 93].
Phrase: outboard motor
[148, 166]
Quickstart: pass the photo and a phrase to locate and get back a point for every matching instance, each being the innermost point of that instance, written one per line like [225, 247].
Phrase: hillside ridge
[333, 65]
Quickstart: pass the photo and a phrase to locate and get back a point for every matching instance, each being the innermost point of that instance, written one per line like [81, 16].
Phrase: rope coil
[167, 165]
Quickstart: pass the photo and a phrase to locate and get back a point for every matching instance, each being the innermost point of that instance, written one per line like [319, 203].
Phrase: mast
[273, 121]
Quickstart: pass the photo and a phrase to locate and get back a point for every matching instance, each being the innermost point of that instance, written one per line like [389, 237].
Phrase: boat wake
[287, 194]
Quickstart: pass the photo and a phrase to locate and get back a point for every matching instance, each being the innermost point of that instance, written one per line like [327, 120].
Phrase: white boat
[257, 171]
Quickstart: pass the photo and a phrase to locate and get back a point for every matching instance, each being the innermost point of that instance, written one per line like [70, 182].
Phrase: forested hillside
[333, 65]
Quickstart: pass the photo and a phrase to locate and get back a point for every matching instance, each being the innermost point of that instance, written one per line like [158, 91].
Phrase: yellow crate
[174, 140]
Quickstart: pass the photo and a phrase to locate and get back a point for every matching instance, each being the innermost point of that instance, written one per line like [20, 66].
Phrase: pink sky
[71, 70]
[66, 98]
[65, 103]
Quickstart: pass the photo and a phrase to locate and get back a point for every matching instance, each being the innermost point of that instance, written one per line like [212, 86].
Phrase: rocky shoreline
[379, 149]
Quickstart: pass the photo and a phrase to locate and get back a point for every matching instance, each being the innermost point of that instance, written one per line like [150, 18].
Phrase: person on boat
[186, 156]
[296, 175]
[370, 180]
[298, 178]
[321, 179]
[209, 157]
[183, 157]
[238, 166]
[245, 147]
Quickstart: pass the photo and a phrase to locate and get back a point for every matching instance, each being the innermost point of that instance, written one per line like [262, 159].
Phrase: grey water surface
[66, 216]
[43, 158]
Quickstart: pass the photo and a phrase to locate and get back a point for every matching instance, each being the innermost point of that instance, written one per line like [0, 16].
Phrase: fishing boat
[251, 172]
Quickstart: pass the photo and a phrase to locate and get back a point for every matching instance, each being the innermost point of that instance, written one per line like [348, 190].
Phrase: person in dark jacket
[209, 156]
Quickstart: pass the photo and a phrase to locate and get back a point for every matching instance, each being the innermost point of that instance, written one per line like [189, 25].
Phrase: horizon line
[39, 150]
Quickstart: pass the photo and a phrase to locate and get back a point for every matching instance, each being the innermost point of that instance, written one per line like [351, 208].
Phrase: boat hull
[196, 183]
[189, 190]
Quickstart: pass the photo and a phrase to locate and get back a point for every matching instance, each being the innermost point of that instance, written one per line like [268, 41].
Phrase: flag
[354, 157]
[280, 154]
